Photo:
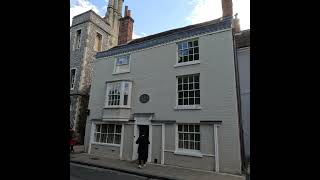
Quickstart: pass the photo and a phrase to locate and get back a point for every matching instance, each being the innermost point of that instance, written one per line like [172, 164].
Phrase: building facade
[178, 87]
[89, 34]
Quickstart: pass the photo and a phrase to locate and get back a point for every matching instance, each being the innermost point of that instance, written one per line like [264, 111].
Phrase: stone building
[89, 34]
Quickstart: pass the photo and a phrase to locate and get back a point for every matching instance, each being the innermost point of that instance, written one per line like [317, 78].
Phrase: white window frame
[75, 39]
[74, 80]
[188, 62]
[94, 48]
[109, 144]
[115, 64]
[190, 107]
[186, 152]
[122, 91]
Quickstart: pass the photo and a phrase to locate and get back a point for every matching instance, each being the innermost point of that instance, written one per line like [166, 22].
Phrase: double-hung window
[108, 133]
[188, 51]
[118, 94]
[122, 64]
[189, 137]
[188, 90]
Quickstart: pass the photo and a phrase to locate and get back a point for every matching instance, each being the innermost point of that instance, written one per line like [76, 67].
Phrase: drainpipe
[243, 158]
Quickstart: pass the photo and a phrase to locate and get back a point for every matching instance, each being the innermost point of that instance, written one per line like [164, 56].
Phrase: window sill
[187, 63]
[188, 153]
[117, 107]
[115, 73]
[106, 144]
[194, 107]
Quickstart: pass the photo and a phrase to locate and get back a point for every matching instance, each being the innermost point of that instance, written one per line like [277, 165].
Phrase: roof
[167, 36]
[243, 39]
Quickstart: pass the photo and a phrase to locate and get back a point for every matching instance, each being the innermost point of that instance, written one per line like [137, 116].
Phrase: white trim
[176, 138]
[188, 153]
[150, 147]
[239, 50]
[121, 144]
[187, 63]
[209, 155]
[75, 76]
[216, 148]
[171, 42]
[181, 107]
[163, 143]
[135, 148]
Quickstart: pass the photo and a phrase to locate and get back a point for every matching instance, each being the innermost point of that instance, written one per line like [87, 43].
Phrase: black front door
[144, 129]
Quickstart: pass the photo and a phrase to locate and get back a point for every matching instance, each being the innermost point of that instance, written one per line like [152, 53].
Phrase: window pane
[185, 52]
[185, 79]
[185, 93]
[185, 101]
[191, 93]
[185, 136]
[180, 46]
[98, 126]
[197, 101]
[97, 137]
[117, 139]
[125, 99]
[185, 86]
[179, 87]
[191, 101]
[191, 51]
[185, 45]
[196, 50]
[180, 136]
[179, 80]
[191, 128]
[190, 86]
[180, 144]
[180, 102]
[197, 93]
[180, 59]
[192, 137]
[110, 128]
[186, 145]
[197, 145]
[196, 57]
[104, 128]
[185, 128]
[110, 138]
[197, 137]
[180, 95]
[103, 138]
[195, 43]
[197, 128]
[118, 128]
[190, 44]
[196, 86]
[185, 59]
[191, 145]
[196, 78]
[179, 127]
[190, 57]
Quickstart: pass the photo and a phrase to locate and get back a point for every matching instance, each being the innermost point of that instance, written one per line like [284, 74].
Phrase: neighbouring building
[89, 34]
[180, 88]
[243, 58]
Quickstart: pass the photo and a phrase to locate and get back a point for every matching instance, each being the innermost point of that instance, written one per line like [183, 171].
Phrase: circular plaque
[144, 98]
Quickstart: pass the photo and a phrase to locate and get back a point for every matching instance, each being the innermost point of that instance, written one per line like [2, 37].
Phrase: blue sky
[154, 16]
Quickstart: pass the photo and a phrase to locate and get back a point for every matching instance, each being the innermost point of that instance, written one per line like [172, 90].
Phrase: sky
[155, 16]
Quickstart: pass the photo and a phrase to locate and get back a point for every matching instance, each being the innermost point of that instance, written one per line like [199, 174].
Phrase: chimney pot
[126, 11]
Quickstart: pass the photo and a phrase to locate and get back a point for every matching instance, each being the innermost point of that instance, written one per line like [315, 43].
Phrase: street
[81, 172]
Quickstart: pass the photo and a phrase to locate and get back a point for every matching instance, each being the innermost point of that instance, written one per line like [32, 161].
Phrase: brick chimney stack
[226, 8]
[126, 27]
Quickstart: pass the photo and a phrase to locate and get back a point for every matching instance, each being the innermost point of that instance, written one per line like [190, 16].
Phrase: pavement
[155, 171]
